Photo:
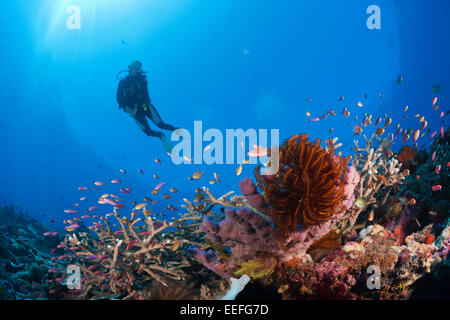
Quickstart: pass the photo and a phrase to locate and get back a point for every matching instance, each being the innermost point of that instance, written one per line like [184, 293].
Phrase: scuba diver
[133, 98]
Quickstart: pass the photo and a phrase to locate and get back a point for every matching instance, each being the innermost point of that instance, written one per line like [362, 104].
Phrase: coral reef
[318, 229]
[24, 256]
[383, 228]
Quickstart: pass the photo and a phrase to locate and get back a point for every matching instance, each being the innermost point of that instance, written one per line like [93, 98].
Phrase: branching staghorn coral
[204, 203]
[308, 188]
[379, 170]
[121, 263]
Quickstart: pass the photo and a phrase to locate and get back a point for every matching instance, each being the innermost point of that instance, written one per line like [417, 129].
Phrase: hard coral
[309, 186]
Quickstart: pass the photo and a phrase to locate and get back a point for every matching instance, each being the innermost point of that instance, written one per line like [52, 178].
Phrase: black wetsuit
[133, 93]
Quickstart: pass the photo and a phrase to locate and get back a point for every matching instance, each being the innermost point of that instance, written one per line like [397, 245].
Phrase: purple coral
[351, 181]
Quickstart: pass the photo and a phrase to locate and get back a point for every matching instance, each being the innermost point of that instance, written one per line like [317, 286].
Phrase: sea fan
[309, 186]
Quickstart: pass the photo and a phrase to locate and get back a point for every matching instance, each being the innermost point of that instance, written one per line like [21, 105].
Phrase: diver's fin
[167, 145]
[179, 132]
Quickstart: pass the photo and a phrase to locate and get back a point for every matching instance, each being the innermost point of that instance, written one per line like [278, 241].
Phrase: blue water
[232, 64]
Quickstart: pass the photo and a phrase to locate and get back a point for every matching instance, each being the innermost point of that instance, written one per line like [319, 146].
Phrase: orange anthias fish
[416, 135]
[434, 101]
[140, 206]
[257, 151]
[239, 170]
[197, 175]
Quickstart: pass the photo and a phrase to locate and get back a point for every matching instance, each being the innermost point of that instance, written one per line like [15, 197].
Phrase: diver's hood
[141, 73]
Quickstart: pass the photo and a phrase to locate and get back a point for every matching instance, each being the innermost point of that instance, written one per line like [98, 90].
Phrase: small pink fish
[157, 161]
[140, 171]
[50, 234]
[257, 151]
[109, 214]
[98, 183]
[85, 216]
[130, 244]
[433, 134]
[71, 211]
[315, 119]
[82, 198]
[437, 187]
[123, 190]
[92, 208]
[442, 132]
[433, 156]
[378, 121]
[92, 267]
[159, 186]
[115, 181]
[96, 226]
[123, 171]
[442, 114]
[73, 226]
[437, 169]
[109, 201]
[119, 206]
[155, 176]
[82, 188]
